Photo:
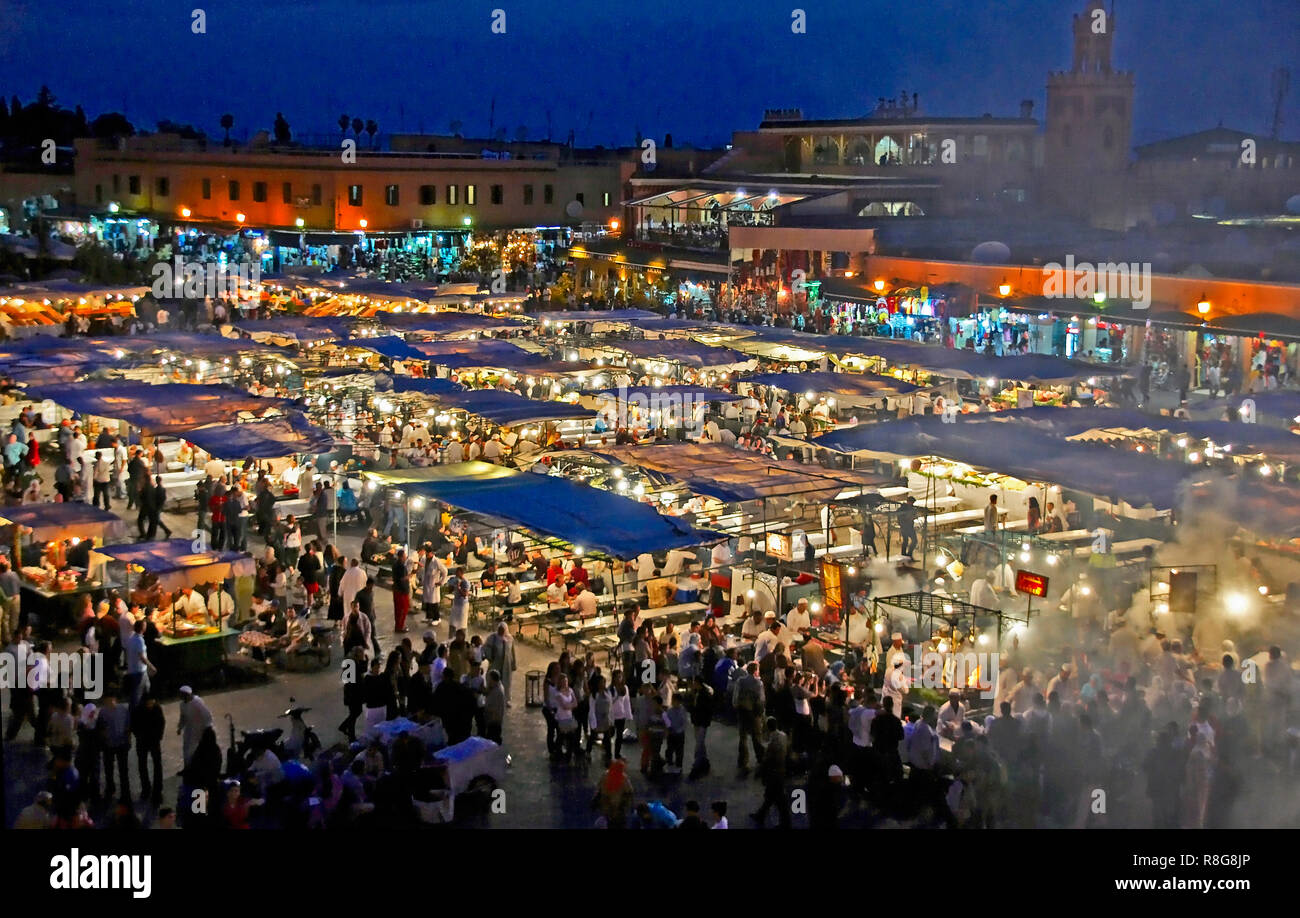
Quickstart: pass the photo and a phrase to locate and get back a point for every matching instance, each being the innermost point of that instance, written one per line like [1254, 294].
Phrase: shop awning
[176, 564]
[667, 394]
[425, 385]
[846, 384]
[269, 439]
[168, 408]
[594, 315]
[1024, 452]
[57, 521]
[445, 323]
[390, 346]
[578, 514]
[302, 329]
[734, 476]
[678, 350]
[481, 352]
[508, 409]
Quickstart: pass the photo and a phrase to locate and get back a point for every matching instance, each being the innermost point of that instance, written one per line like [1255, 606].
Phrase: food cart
[187, 646]
[46, 543]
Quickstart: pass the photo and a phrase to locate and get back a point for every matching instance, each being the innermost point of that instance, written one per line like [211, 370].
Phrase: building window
[548, 194]
[259, 192]
[390, 195]
[162, 186]
[99, 194]
[981, 145]
[606, 199]
[528, 195]
[117, 183]
[498, 194]
[315, 194]
[133, 184]
[428, 195]
[471, 194]
[233, 190]
[207, 189]
[582, 198]
[354, 195]
[286, 192]
[451, 195]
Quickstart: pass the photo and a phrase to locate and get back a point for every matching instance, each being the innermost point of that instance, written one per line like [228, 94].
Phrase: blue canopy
[426, 385]
[1070, 422]
[1278, 403]
[551, 506]
[594, 315]
[446, 323]
[482, 352]
[864, 384]
[941, 360]
[390, 346]
[177, 564]
[167, 408]
[1025, 452]
[680, 350]
[268, 439]
[304, 328]
[507, 408]
[684, 393]
[64, 520]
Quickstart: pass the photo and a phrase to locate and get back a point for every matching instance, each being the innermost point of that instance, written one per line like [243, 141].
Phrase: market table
[59, 607]
[199, 653]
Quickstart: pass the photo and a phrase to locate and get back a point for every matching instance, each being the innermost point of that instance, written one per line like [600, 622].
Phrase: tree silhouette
[227, 122]
[455, 125]
[282, 134]
[371, 128]
[357, 127]
[111, 124]
[343, 124]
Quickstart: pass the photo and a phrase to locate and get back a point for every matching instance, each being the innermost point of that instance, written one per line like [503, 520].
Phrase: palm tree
[371, 128]
[227, 122]
[343, 124]
[455, 128]
[358, 126]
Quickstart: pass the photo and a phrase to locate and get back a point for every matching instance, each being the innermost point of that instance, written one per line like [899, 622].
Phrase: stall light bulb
[983, 640]
[880, 628]
[1263, 590]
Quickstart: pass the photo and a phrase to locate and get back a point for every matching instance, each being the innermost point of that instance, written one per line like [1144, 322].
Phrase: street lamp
[1203, 307]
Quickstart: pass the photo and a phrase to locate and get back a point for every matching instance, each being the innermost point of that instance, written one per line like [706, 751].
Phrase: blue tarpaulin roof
[446, 323]
[864, 384]
[390, 346]
[507, 408]
[304, 328]
[176, 563]
[426, 385]
[685, 393]
[482, 352]
[942, 360]
[552, 506]
[594, 315]
[268, 439]
[64, 520]
[679, 350]
[168, 408]
[1277, 404]
[1025, 452]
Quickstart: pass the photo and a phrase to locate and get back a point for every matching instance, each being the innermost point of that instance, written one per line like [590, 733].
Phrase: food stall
[155, 572]
[50, 546]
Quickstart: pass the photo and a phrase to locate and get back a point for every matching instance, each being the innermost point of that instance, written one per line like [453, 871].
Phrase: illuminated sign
[832, 586]
[778, 546]
[1031, 583]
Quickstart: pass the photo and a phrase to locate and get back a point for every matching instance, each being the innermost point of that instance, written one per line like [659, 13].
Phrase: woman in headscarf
[614, 797]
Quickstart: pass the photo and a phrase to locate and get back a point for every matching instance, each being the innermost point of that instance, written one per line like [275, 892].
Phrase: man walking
[748, 700]
[102, 477]
[772, 769]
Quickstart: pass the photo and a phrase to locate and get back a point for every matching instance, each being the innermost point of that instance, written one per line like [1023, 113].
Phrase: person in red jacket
[217, 515]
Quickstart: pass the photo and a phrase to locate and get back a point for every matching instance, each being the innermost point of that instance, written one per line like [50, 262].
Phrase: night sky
[608, 69]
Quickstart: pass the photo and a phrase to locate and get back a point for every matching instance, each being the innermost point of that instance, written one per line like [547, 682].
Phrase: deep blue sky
[608, 68]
